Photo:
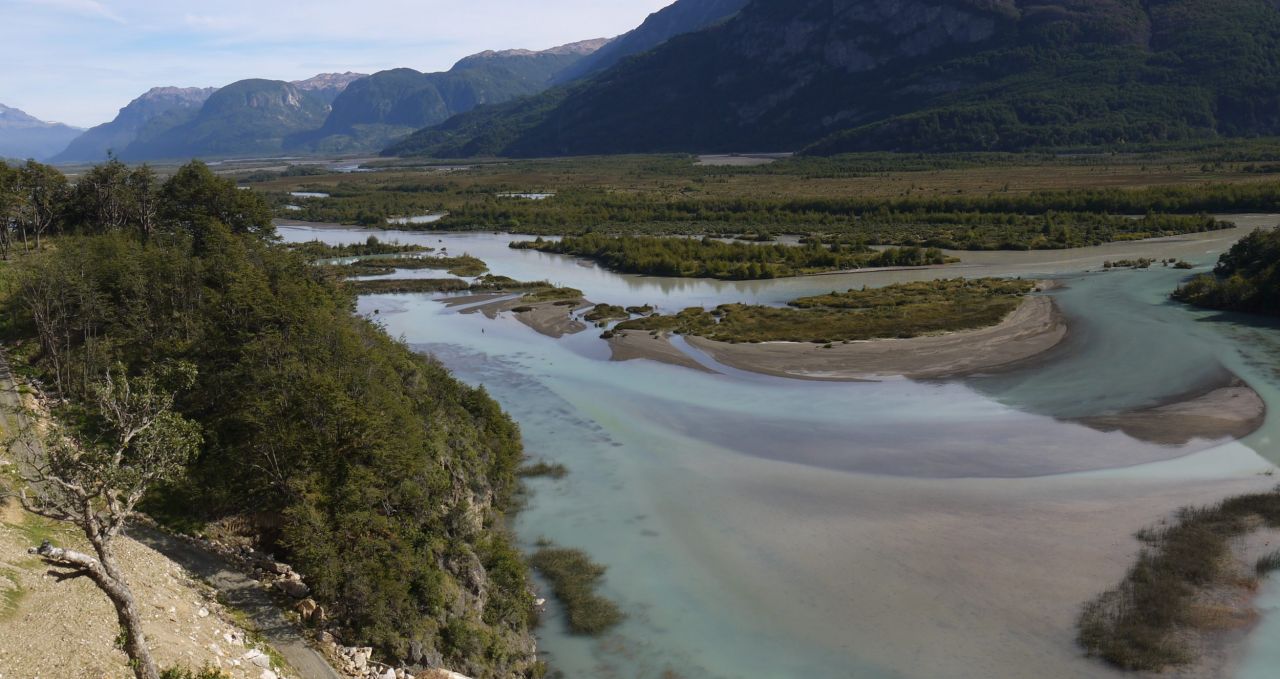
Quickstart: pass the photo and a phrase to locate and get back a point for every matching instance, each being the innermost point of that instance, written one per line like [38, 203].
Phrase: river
[764, 527]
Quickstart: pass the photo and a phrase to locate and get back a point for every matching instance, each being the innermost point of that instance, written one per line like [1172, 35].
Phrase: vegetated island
[1193, 585]
[1247, 278]
[710, 258]
[932, 329]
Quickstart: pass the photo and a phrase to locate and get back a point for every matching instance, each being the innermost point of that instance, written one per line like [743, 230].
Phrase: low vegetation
[553, 293]
[1246, 279]
[574, 578]
[903, 310]
[542, 468]
[603, 313]
[316, 250]
[463, 265]
[710, 258]
[1142, 624]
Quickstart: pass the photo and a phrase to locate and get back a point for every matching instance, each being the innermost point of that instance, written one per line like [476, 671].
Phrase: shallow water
[756, 526]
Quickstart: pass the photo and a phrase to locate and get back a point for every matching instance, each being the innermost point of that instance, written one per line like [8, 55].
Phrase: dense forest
[1247, 278]
[379, 476]
[709, 258]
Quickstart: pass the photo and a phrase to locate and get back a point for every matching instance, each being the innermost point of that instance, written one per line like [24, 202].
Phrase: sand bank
[553, 319]
[1033, 328]
[1233, 410]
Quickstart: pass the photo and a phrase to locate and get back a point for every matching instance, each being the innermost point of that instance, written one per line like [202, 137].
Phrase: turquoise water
[762, 527]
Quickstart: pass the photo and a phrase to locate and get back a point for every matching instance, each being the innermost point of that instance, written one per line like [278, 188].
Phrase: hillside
[911, 75]
[160, 104]
[685, 16]
[247, 117]
[24, 136]
[391, 104]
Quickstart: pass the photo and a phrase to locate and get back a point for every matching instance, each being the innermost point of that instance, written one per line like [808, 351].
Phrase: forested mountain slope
[911, 75]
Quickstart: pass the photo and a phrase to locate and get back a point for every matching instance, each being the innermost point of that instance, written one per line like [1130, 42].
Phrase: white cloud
[89, 8]
[66, 64]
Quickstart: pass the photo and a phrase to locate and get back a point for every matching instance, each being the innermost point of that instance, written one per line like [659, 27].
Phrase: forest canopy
[379, 476]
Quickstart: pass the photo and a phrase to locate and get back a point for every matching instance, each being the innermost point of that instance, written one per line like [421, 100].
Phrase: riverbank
[1032, 329]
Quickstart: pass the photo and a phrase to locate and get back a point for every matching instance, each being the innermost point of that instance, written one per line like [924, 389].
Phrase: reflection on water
[756, 526]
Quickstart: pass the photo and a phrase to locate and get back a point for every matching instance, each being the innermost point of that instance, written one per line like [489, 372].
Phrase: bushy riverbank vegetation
[316, 250]
[1246, 279]
[709, 258]
[896, 311]
[379, 476]
[574, 578]
[462, 265]
[1143, 624]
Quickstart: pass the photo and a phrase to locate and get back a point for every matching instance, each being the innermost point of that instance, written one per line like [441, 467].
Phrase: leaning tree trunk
[106, 576]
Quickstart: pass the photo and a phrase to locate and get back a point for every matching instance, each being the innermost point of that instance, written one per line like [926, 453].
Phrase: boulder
[258, 658]
[294, 588]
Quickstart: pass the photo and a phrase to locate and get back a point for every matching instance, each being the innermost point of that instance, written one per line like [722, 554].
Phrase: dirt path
[245, 594]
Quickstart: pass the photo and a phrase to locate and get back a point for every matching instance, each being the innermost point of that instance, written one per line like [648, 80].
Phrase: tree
[101, 199]
[10, 201]
[195, 196]
[93, 475]
[43, 189]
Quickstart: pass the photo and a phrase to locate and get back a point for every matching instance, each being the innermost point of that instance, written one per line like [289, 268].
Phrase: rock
[439, 674]
[268, 674]
[279, 568]
[326, 638]
[203, 612]
[294, 588]
[258, 658]
[389, 674]
[311, 611]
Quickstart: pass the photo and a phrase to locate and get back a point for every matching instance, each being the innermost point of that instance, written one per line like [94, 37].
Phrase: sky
[80, 61]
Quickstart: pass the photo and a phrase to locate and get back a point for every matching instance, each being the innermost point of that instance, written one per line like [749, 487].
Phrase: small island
[921, 330]
[707, 257]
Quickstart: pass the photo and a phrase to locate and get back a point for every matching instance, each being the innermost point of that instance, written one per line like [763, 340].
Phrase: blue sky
[80, 61]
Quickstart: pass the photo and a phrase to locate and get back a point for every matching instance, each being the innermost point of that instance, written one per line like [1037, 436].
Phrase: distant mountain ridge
[247, 117]
[328, 85]
[685, 16]
[910, 75]
[25, 136]
[392, 104]
[165, 106]
[330, 112]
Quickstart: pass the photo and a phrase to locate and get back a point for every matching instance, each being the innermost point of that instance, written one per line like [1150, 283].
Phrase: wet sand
[1232, 411]
[1033, 328]
[1001, 567]
[552, 319]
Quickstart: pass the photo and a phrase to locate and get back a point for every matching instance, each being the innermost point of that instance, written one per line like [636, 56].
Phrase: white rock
[268, 674]
[203, 612]
[258, 658]
[389, 674]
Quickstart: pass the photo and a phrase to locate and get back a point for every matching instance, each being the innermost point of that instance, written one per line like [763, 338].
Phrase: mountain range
[23, 136]
[331, 112]
[391, 104]
[830, 76]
